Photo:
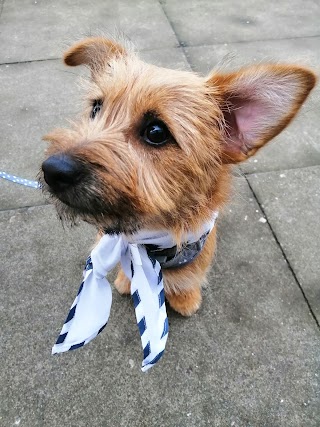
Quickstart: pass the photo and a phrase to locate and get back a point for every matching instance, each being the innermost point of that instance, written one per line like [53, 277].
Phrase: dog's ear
[94, 52]
[258, 102]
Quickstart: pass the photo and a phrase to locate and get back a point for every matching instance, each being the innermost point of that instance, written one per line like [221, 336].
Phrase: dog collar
[90, 310]
[177, 256]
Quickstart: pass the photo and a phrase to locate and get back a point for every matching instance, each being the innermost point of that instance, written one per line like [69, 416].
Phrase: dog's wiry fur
[214, 122]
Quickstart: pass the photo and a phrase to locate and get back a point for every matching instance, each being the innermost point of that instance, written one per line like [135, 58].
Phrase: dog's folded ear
[94, 52]
[257, 103]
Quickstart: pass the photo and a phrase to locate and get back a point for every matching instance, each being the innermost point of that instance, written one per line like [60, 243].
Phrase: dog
[154, 147]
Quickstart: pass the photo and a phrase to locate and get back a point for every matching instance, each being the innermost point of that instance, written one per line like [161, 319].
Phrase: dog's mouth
[77, 205]
[78, 194]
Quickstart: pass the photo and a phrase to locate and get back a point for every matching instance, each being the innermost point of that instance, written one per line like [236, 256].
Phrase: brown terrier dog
[153, 148]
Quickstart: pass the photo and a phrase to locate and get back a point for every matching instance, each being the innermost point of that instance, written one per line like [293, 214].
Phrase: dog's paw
[186, 303]
[122, 283]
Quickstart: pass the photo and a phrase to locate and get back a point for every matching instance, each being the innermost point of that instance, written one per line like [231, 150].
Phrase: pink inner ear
[247, 115]
[245, 121]
[259, 102]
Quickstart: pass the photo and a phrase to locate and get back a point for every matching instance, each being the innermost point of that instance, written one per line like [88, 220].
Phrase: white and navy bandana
[90, 310]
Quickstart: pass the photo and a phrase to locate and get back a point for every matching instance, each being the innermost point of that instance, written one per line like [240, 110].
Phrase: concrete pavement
[251, 355]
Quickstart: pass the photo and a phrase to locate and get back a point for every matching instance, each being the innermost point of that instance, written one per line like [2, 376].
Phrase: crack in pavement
[1, 7]
[283, 254]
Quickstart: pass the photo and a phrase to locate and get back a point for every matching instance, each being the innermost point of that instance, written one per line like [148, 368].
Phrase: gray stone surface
[37, 97]
[291, 200]
[237, 362]
[37, 30]
[250, 357]
[210, 22]
[145, 24]
[168, 58]
[299, 144]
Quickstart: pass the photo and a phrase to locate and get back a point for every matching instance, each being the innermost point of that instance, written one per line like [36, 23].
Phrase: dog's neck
[161, 244]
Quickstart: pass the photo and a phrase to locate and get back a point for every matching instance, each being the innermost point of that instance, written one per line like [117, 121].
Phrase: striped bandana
[90, 310]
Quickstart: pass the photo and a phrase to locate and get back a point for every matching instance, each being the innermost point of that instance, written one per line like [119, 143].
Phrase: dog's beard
[85, 204]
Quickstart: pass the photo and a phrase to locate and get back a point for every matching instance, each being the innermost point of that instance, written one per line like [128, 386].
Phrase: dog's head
[153, 145]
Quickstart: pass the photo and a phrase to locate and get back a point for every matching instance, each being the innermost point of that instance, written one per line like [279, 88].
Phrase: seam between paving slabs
[24, 208]
[28, 61]
[184, 44]
[1, 7]
[243, 173]
[223, 43]
[283, 254]
[181, 44]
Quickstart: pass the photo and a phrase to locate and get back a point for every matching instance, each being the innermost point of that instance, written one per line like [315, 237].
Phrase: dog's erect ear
[258, 102]
[94, 52]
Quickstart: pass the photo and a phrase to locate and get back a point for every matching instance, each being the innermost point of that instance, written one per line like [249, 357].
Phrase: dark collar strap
[174, 257]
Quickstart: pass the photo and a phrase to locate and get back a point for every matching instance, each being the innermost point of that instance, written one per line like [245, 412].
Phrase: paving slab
[37, 30]
[168, 58]
[291, 200]
[145, 24]
[299, 145]
[250, 357]
[35, 98]
[209, 22]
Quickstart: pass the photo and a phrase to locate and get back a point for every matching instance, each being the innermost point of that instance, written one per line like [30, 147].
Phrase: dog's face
[153, 146]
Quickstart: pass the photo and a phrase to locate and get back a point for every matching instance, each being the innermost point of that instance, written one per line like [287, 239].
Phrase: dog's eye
[96, 107]
[156, 133]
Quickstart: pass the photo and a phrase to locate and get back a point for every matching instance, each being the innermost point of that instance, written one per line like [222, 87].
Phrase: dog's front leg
[183, 285]
[122, 283]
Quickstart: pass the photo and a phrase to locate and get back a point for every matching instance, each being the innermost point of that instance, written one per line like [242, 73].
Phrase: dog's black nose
[61, 171]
